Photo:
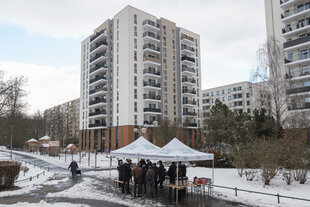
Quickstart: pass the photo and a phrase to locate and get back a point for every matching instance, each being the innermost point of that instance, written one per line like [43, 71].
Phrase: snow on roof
[45, 145]
[69, 146]
[32, 140]
[45, 138]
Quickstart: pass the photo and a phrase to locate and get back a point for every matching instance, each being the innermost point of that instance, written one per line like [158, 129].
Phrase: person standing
[137, 176]
[172, 175]
[120, 172]
[74, 166]
[149, 178]
[126, 176]
[161, 174]
[155, 168]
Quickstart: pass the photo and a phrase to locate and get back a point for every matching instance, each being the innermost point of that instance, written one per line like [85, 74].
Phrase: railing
[100, 100]
[98, 45]
[296, 26]
[96, 90]
[97, 67]
[157, 85]
[293, 58]
[188, 58]
[298, 90]
[189, 114]
[149, 22]
[296, 41]
[152, 110]
[293, 11]
[156, 97]
[103, 112]
[151, 71]
[183, 36]
[188, 80]
[299, 107]
[152, 47]
[97, 125]
[148, 58]
[189, 91]
[97, 35]
[192, 70]
[97, 56]
[102, 77]
[150, 34]
[185, 47]
[190, 124]
[189, 102]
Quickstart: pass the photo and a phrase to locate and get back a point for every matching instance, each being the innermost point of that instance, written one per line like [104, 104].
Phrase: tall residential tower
[137, 69]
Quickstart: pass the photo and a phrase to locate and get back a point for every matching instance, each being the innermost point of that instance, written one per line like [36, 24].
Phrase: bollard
[235, 191]
[278, 198]
[95, 158]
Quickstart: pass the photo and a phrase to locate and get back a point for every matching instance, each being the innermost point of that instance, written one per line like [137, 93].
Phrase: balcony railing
[190, 125]
[97, 35]
[298, 90]
[190, 102]
[299, 107]
[294, 10]
[151, 23]
[294, 58]
[151, 34]
[102, 77]
[296, 41]
[188, 58]
[97, 56]
[188, 80]
[189, 113]
[157, 85]
[154, 97]
[299, 25]
[103, 112]
[192, 70]
[151, 46]
[97, 90]
[98, 45]
[189, 91]
[152, 110]
[97, 67]
[183, 36]
[151, 71]
[96, 101]
[98, 125]
[185, 47]
[152, 59]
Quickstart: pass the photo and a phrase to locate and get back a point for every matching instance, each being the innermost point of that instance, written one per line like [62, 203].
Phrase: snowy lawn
[43, 203]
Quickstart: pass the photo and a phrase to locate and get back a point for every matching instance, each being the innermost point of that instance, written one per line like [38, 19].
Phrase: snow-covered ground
[43, 203]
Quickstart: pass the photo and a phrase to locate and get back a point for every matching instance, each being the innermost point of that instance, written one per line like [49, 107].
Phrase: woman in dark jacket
[74, 166]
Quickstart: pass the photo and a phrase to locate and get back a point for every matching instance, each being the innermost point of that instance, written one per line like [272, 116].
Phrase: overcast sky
[41, 39]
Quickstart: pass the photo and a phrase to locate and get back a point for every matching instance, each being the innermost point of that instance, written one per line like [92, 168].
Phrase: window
[248, 110]
[223, 91]
[212, 100]
[135, 43]
[174, 99]
[164, 30]
[306, 83]
[229, 90]
[217, 93]
[117, 71]
[135, 19]
[165, 63]
[290, 57]
[212, 93]
[306, 70]
[165, 98]
[117, 47]
[135, 56]
[229, 98]
[173, 44]
[135, 31]
[135, 107]
[165, 86]
[248, 95]
[117, 23]
[239, 88]
[304, 54]
[300, 8]
[135, 93]
[117, 59]
[164, 52]
[136, 120]
[135, 67]
[117, 35]
[248, 103]
[135, 81]
[165, 75]
[174, 66]
[173, 34]
[164, 41]
[223, 98]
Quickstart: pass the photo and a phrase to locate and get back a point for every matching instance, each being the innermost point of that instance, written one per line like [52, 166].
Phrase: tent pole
[212, 175]
[110, 166]
[177, 190]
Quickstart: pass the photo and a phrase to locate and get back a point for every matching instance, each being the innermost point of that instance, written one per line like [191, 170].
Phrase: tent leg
[212, 176]
[177, 190]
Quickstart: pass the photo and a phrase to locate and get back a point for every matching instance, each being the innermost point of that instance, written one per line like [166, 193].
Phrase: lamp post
[11, 156]
[144, 129]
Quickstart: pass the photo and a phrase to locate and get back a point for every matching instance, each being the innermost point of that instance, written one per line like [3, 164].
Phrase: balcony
[97, 91]
[299, 107]
[188, 50]
[97, 101]
[284, 4]
[187, 39]
[99, 47]
[151, 85]
[156, 98]
[98, 69]
[297, 59]
[150, 25]
[188, 92]
[191, 71]
[188, 113]
[295, 13]
[151, 48]
[293, 29]
[97, 58]
[189, 102]
[98, 35]
[190, 125]
[151, 72]
[297, 43]
[97, 125]
[100, 79]
[298, 90]
[151, 60]
[152, 110]
[97, 113]
[150, 36]
[187, 59]
[189, 81]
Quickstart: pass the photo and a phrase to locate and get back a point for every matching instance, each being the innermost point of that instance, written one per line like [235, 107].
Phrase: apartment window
[306, 83]
[164, 52]
[117, 71]
[136, 120]
[229, 90]
[248, 95]
[135, 19]
[248, 103]
[174, 88]
[223, 98]
[135, 56]
[135, 43]
[173, 44]
[173, 54]
[117, 35]
[135, 67]
[174, 99]
[135, 93]
[174, 66]
[239, 88]
[117, 108]
[135, 31]
[164, 30]
[117, 23]
[116, 83]
[212, 100]
[174, 77]
[164, 41]
[304, 54]
[165, 75]
[117, 59]
[229, 98]
[165, 63]
[117, 47]
[175, 110]
[135, 81]
[117, 95]
[165, 98]
[217, 93]
[306, 70]
[173, 34]
[135, 107]
[223, 91]
[165, 86]
[212, 93]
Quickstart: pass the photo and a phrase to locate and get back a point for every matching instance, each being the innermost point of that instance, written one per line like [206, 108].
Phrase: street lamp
[145, 126]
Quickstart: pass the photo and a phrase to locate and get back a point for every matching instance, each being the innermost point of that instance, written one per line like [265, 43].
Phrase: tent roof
[140, 146]
[177, 151]
[45, 138]
[32, 140]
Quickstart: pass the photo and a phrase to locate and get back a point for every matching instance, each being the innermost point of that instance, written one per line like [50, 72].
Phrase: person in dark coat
[149, 178]
[74, 166]
[161, 174]
[144, 170]
[120, 172]
[155, 168]
[126, 177]
[172, 175]
[137, 176]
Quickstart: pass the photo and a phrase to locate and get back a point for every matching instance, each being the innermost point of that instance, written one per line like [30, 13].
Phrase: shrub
[9, 171]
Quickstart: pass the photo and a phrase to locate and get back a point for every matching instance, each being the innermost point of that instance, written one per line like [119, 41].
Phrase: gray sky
[41, 39]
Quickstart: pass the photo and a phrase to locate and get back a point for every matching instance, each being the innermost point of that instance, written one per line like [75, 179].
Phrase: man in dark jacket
[161, 174]
[74, 166]
[155, 168]
[126, 177]
[149, 178]
[137, 176]
[172, 175]
[144, 170]
[120, 172]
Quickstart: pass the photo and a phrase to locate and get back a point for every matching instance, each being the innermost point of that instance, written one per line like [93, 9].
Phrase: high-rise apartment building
[137, 69]
[289, 22]
[239, 97]
[62, 121]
